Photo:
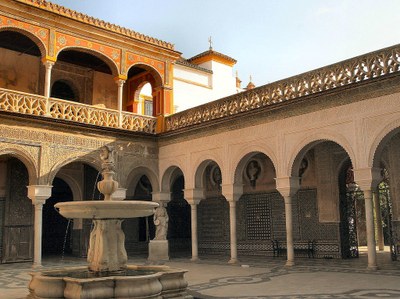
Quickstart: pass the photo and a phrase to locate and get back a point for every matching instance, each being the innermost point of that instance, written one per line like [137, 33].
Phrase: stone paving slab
[213, 278]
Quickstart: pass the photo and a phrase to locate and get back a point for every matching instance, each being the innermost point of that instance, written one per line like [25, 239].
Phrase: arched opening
[63, 90]
[213, 211]
[20, 64]
[260, 208]
[139, 231]
[56, 238]
[387, 202]
[318, 206]
[16, 212]
[179, 228]
[84, 76]
[74, 181]
[143, 90]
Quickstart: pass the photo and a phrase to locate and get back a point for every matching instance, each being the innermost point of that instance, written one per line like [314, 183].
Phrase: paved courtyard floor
[213, 277]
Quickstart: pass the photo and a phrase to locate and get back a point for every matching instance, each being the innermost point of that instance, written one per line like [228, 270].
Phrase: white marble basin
[106, 209]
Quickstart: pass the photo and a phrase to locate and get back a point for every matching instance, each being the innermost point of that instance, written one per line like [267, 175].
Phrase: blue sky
[270, 39]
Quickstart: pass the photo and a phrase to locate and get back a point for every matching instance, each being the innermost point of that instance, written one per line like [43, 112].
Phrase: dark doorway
[56, 229]
[179, 228]
[62, 90]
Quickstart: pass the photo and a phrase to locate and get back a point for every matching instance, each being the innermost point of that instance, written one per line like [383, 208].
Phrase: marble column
[193, 197]
[288, 187]
[47, 78]
[120, 84]
[369, 215]
[232, 193]
[367, 179]
[38, 194]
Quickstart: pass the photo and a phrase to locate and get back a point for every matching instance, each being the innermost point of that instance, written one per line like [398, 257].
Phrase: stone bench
[300, 248]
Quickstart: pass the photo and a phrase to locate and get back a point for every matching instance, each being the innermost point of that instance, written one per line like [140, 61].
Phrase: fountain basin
[158, 282]
[106, 209]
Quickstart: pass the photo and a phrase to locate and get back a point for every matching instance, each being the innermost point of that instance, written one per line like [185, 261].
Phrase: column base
[233, 261]
[289, 264]
[372, 268]
[194, 259]
[37, 266]
[158, 250]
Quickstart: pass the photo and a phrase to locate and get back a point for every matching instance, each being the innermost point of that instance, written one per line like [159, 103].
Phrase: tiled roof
[212, 52]
[72, 14]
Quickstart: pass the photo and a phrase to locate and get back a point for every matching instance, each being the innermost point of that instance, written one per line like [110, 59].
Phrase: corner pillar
[232, 193]
[193, 197]
[38, 194]
[367, 179]
[288, 187]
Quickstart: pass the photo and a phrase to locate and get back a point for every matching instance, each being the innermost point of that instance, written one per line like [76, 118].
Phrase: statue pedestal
[158, 250]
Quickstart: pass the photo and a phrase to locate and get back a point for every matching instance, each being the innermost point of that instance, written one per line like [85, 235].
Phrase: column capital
[232, 192]
[193, 196]
[161, 197]
[367, 178]
[121, 78]
[49, 60]
[39, 193]
[287, 186]
[119, 194]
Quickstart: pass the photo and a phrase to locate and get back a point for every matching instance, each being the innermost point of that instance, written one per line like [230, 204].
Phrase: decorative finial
[210, 42]
[251, 78]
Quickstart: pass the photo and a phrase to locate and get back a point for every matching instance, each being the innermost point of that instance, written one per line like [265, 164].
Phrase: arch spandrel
[26, 156]
[297, 152]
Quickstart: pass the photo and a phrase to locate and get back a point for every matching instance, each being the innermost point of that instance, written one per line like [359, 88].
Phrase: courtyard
[212, 277]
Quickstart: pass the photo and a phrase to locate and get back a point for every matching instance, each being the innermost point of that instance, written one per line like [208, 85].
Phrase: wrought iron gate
[348, 225]
[386, 211]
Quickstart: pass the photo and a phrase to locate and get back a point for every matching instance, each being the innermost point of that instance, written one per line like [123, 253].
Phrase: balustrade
[29, 104]
[351, 71]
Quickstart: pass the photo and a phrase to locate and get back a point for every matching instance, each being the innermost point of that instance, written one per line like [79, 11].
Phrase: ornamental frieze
[41, 136]
[132, 59]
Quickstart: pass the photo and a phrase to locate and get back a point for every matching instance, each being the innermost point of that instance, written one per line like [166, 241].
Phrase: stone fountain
[108, 275]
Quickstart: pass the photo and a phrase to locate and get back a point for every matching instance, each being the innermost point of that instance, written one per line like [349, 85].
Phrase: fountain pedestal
[106, 246]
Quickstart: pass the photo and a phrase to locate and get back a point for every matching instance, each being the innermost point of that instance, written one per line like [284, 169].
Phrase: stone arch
[39, 43]
[200, 170]
[157, 78]
[307, 143]
[110, 63]
[170, 174]
[68, 83]
[241, 166]
[380, 141]
[26, 158]
[95, 163]
[135, 175]
[242, 157]
[73, 185]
